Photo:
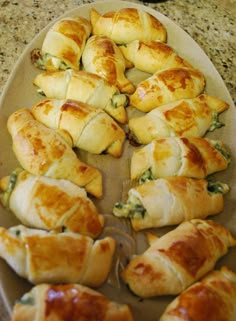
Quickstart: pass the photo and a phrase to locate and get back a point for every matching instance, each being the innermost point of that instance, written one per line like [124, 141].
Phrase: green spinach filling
[27, 299]
[118, 100]
[12, 182]
[223, 152]
[132, 209]
[217, 187]
[146, 176]
[59, 64]
[41, 92]
[216, 123]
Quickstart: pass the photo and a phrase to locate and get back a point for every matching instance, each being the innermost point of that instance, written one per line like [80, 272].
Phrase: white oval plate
[19, 92]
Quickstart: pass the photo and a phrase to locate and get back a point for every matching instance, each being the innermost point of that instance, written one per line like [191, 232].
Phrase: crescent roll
[170, 201]
[103, 57]
[152, 56]
[85, 87]
[127, 24]
[90, 128]
[41, 256]
[63, 45]
[166, 86]
[42, 151]
[178, 259]
[52, 204]
[211, 299]
[179, 156]
[186, 117]
[73, 302]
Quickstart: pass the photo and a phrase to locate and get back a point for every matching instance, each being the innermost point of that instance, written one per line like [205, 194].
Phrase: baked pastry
[90, 128]
[178, 259]
[170, 201]
[42, 151]
[52, 204]
[152, 56]
[186, 117]
[127, 24]
[211, 299]
[166, 86]
[103, 57]
[41, 256]
[73, 302]
[195, 157]
[85, 87]
[63, 44]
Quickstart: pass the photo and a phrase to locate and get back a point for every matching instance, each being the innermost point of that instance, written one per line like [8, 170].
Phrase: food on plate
[127, 24]
[42, 256]
[166, 86]
[90, 128]
[171, 200]
[177, 259]
[103, 57]
[211, 299]
[195, 157]
[72, 302]
[152, 56]
[63, 44]
[64, 244]
[52, 204]
[42, 151]
[186, 117]
[85, 87]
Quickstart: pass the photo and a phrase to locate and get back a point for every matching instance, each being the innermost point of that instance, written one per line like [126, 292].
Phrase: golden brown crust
[186, 117]
[72, 302]
[85, 87]
[41, 151]
[57, 257]
[211, 299]
[152, 56]
[66, 40]
[204, 154]
[90, 128]
[182, 156]
[177, 259]
[102, 57]
[127, 24]
[166, 86]
[53, 204]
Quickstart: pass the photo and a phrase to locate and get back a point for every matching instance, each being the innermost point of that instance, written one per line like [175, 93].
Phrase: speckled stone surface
[211, 23]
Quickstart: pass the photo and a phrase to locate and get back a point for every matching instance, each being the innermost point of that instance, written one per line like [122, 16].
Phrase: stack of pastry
[87, 91]
[170, 174]
[59, 241]
[171, 169]
[49, 196]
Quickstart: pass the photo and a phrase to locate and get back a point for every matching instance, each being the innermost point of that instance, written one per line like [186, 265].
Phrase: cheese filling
[119, 100]
[146, 176]
[216, 123]
[217, 187]
[12, 182]
[223, 152]
[132, 209]
[26, 299]
[41, 92]
[59, 64]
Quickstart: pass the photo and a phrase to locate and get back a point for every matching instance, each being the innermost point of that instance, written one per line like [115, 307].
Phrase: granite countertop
[209, 22]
